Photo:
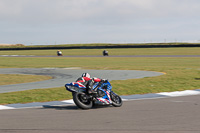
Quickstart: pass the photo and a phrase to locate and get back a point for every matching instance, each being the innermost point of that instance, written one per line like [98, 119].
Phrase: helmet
[86, 75]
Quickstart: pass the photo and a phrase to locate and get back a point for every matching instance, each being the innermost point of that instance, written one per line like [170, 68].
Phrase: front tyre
[82, 100]
[116, 100]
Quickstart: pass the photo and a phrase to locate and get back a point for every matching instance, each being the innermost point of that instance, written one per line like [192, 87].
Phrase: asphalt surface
[164, 115]
[61, 76]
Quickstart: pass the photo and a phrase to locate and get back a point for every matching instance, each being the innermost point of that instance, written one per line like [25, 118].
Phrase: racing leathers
[88, 83]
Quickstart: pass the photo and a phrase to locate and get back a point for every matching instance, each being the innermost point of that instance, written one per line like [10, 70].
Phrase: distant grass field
[126, 51]
[181, 73]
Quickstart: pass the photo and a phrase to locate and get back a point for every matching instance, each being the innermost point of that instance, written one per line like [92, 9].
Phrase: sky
[98, 21]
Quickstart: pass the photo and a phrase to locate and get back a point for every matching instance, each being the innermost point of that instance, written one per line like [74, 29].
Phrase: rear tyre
[116, 100]
[82, 100]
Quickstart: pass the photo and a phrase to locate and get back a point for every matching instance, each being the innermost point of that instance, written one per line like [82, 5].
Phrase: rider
[89, 82]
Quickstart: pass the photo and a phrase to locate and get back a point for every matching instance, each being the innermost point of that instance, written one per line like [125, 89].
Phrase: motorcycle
[85, 100]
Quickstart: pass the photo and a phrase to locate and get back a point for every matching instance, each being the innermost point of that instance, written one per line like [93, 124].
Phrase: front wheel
[82, 100]
[116, 100]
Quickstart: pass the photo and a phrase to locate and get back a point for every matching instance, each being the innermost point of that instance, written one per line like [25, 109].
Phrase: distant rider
[89, 82]
[59, 53]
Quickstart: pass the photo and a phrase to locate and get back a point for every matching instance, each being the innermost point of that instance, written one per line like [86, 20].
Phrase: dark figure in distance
[59, 53]
[105, 53]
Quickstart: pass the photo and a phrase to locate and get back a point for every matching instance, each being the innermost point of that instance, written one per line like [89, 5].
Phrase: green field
[126, 51]
[7, 79]
[181, 73]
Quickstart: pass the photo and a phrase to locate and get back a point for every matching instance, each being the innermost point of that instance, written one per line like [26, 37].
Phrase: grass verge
[125, 51]
[182, 74]
[7, 79]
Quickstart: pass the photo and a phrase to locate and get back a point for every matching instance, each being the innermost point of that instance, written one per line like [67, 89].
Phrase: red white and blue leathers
[88, 82]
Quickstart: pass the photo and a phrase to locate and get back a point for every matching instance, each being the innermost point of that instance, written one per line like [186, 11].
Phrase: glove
[104, 80]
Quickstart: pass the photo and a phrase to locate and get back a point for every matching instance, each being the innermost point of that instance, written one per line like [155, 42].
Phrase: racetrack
[61, 76]
[102, 56]
[164, 115]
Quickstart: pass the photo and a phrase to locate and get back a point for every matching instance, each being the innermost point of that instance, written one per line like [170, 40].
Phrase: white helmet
[86, 75]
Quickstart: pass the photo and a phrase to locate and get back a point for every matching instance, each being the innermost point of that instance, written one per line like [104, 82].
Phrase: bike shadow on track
[73, 107]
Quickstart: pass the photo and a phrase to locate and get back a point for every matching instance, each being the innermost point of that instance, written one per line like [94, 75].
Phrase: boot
[91, 91]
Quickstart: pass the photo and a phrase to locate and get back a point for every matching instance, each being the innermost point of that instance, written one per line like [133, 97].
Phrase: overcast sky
[98, 21]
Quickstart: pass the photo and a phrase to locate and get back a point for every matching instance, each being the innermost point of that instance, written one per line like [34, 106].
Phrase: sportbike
[85, 100]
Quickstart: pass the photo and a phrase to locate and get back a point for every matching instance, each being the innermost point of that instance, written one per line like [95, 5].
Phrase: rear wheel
[82, 100]
[116, 100]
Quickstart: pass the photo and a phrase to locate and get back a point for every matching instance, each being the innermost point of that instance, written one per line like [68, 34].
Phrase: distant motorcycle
[104, 95]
